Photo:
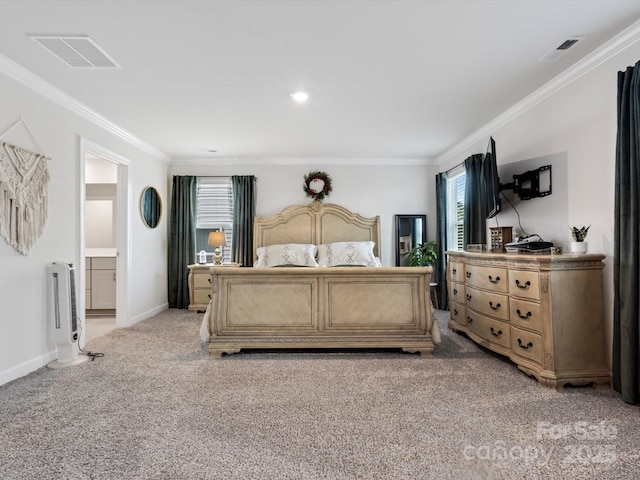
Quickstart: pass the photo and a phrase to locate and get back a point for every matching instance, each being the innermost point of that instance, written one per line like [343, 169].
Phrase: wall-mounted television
[491, 181]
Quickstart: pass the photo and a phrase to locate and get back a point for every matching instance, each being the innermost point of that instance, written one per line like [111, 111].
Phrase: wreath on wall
[317, 185]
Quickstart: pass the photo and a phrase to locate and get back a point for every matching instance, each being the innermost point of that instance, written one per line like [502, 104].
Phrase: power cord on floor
[93, 355]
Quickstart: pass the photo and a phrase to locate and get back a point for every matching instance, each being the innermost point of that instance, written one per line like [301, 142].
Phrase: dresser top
[549, 260]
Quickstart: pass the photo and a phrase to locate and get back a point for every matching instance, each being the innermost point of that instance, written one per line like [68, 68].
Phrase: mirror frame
[402, 231]
[150, 222]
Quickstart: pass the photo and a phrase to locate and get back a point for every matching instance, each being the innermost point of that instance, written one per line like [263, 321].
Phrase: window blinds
[214, 211]
[455, 212]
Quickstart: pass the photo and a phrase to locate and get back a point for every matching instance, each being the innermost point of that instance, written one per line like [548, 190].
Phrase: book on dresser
[544, 312]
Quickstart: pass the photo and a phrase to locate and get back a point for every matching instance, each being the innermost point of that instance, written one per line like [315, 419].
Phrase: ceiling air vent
[561, 49]
[79, 51]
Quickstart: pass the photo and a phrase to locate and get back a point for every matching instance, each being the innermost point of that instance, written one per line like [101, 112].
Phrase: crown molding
[608, 50]
[371, 162]
[28, 79]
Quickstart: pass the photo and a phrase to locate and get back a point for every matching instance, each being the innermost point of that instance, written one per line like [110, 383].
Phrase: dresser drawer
[525, 314]
[458, 313]
[525, 284]
[488, 278]
[201, 297]
[488, 303]
[526, 344]
[493, 331]
[457, 292]
[456, 271]
[202, 280]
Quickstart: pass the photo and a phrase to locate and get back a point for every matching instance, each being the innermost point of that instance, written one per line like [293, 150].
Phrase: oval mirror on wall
[151, 207]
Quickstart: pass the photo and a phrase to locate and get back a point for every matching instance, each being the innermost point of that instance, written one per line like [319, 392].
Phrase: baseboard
[148, 314]
[41, 361]
[27, 367]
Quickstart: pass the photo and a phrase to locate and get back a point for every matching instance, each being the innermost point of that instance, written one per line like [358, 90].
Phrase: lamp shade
[217, 239]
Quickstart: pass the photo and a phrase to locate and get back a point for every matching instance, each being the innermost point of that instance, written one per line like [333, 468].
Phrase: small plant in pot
[422, 255]
[579, 234]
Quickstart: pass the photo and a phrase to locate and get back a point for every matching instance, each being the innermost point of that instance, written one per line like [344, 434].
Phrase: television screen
[491, 181]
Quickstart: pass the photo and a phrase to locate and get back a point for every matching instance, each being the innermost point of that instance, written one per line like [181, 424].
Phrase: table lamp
[217, 239]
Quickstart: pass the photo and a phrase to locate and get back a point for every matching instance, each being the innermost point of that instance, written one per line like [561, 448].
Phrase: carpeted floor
[156, 407]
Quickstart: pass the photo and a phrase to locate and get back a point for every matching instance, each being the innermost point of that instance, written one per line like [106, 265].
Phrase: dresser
[200, 285]
[544, 312]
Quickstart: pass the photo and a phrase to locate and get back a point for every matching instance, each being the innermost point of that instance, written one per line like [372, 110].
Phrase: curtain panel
[182, 239]
[440, 267]
[475, 228]
[244, 210]
[626, 306]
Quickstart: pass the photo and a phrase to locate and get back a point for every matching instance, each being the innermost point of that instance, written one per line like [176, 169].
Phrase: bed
[337, 307]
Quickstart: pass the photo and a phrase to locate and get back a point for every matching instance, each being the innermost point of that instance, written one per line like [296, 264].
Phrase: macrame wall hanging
[24, 182]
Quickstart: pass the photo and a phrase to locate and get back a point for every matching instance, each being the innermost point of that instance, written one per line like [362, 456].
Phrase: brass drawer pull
[209, 279]
[455, 291]
[455, 312]
[525, 347]
[494, 280]
[492, 307]
[454, 271]
[468, 274]
[494, 333]
[523, 316]
[526, 285]
[468, 297]
[469, 320]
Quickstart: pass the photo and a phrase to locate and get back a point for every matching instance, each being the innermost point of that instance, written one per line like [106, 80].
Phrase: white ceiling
[387, 79]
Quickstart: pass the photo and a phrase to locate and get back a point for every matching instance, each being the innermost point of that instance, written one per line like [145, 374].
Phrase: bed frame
[306, 307]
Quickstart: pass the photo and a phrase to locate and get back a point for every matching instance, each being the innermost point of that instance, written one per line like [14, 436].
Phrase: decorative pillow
[290, 254]
[347, 254]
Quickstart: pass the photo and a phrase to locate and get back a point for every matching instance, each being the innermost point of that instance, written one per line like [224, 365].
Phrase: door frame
[123, 227]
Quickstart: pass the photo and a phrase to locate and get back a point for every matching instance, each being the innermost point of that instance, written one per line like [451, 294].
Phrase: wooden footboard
[344, 307]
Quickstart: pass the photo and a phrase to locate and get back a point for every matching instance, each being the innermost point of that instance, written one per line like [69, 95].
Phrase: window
[455, 212]
[214, 212]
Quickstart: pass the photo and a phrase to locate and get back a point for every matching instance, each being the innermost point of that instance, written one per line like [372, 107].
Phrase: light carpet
[156, 407]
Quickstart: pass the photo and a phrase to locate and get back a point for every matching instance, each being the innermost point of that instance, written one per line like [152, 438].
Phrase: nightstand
[200, 285]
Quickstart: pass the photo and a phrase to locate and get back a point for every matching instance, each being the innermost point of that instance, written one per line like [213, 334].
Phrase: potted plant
[579, 234]
[422, 255]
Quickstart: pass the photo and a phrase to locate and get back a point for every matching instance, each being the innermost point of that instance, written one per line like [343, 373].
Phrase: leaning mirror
[411, 230]
[151, 207]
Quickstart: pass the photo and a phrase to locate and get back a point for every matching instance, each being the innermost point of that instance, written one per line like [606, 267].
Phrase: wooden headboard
[316, 223]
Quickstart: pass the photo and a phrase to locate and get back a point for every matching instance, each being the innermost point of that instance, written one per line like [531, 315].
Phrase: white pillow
[347, 254]
[294, 254]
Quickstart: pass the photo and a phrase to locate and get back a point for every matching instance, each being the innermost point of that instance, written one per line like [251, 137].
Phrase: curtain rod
[454, 167]
[462, 163]
[223, 176]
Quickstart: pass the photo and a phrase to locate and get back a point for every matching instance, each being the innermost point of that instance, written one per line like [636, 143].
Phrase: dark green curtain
[475, 214]
[182, 239]
[244, 210]
[626, 304]
[440, 267]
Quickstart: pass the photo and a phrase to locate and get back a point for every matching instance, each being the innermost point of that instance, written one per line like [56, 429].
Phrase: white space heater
[63, 315]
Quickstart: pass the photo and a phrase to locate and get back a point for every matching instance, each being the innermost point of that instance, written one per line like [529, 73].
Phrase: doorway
[104, 241]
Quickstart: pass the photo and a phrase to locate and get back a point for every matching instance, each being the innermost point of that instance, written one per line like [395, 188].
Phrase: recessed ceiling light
[300, 97]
